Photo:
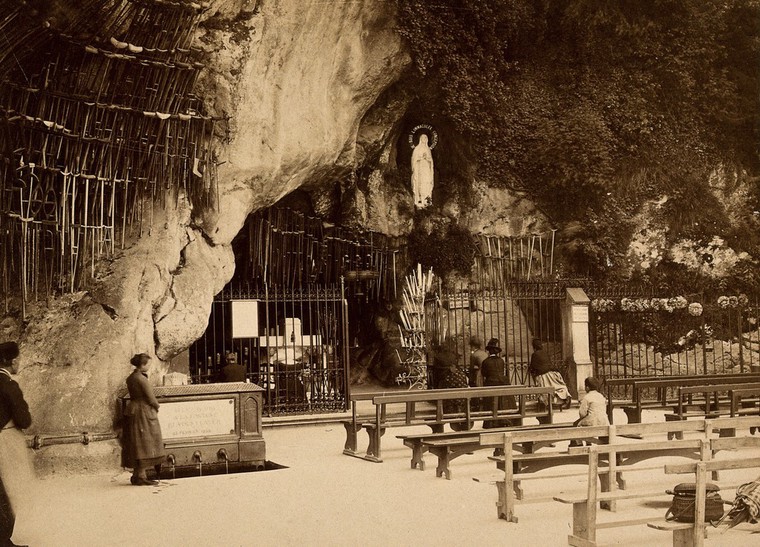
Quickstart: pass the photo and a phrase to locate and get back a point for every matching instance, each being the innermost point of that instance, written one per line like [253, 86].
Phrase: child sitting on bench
[593, 408]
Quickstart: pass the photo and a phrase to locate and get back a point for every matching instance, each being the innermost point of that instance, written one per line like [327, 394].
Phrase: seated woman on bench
[593, 408]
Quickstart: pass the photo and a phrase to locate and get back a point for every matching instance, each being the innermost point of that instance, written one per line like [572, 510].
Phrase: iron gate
[291, 342]
[515, 313]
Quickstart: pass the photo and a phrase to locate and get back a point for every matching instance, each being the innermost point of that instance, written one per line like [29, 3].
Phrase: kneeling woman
[145, 446]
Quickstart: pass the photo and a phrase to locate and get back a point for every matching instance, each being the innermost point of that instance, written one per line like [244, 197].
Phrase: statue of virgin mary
[422, 173]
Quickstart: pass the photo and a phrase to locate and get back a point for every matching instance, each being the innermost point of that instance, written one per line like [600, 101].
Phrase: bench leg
[620, 480]
[604, 481]
[674, 434]
[351, 441]
[444, 457]
[518, 489]
[373, 449]
[683, 538]
[418, 450]
[582, 535]
[504, 507]
[633, 415]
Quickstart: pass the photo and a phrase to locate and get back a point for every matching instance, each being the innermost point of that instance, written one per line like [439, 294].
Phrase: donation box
[208, 424]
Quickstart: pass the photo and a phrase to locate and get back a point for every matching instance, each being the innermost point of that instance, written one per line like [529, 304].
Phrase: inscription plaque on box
[208, 417]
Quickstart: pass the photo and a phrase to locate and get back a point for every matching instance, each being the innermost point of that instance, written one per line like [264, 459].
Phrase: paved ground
[326, 498]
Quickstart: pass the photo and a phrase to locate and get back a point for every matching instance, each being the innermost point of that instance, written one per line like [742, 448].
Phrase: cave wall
[310, 94]
[294, 81]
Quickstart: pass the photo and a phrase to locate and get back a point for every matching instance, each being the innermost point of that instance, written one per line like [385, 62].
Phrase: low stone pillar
[575, 340]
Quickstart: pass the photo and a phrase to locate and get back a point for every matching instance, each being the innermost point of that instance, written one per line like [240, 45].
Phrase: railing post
[575, 339]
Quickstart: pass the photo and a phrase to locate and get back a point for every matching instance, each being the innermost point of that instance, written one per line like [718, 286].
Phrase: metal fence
[643, 336]
[291, 342]
[515, 312]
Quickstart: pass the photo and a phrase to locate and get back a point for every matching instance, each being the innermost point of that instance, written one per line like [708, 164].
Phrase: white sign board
[580, 314]
[245, 318]
[182, 419]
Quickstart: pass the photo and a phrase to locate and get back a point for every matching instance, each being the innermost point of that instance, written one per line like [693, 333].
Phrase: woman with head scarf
[16, 474]
[494, 373]
[145, 446]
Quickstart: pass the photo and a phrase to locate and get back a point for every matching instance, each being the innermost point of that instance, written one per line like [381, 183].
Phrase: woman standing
[494, 373]
[145, 444]
[16, 474]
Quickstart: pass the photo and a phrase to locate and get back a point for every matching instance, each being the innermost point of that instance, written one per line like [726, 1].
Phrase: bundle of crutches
[416, 285]
[520, 257]
[98, 126]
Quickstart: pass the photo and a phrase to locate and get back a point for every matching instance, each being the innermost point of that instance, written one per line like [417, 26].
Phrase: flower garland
[740, 301]
[665, 304]
[645, 304]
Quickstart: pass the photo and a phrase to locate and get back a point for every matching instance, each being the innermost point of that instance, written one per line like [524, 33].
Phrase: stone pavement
[327, 498]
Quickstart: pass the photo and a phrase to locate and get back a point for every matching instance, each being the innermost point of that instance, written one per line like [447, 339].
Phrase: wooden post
[593, 465]
[699, 516]
[509, 491]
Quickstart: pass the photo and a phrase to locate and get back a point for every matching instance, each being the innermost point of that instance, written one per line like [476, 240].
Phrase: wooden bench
[687, 534]
[448, 446]
[354, 425]
[642, 387]
[713, 401]
[745, 402]
[520, 467]
[628, 402]
[425, 407]
[510, 488]
[585, 506]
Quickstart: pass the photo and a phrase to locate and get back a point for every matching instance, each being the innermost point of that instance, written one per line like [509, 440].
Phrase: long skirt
[554, 379]
[144, 442]
[18, 479]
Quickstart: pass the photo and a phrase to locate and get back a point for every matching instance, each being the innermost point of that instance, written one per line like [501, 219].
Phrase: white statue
[422, 173]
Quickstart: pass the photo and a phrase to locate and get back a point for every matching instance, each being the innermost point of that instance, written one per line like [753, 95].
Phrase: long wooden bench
[709, 401]
[687, 534]
[642, 389]
[449, 446]
[628, 401]
[425, 407]
[585, 506]
[523, 466]
[745, 402]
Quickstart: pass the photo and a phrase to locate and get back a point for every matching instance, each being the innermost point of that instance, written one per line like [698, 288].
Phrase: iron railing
[293, 344]
[515, 312]
[641, 336]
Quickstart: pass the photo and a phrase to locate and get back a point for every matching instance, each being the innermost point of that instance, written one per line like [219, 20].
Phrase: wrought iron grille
[293, 344]
[515, 312]
[651, 338]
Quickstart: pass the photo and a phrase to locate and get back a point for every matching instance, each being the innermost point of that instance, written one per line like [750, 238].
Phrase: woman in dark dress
[494, 373]
[145, 444]
[16, 473]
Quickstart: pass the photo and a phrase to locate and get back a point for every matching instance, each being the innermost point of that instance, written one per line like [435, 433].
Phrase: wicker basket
[683, 507]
